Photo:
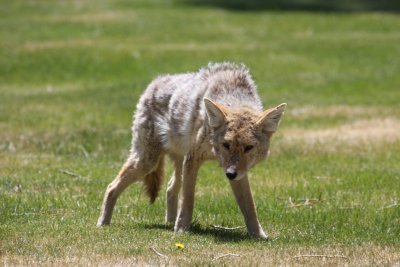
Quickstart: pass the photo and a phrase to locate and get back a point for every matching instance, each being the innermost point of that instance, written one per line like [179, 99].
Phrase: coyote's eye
[248, 148]
[226, 145]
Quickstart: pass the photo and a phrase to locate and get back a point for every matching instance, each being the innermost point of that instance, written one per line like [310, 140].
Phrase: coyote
[214, 113]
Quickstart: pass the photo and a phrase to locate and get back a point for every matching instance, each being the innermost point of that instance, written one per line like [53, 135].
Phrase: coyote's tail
[153, 181]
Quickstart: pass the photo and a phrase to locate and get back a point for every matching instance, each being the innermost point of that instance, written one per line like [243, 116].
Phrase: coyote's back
[172, 108]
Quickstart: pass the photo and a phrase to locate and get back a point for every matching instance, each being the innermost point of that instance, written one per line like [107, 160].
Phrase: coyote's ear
[216, 113]
[269, 119]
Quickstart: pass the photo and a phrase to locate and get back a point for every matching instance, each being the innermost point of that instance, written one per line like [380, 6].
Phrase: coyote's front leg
[244, 198]
[191, 165]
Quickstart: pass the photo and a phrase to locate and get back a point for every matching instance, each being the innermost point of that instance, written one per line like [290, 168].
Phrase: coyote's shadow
[224, 235]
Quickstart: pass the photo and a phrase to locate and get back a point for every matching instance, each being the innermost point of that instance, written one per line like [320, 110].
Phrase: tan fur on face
[241, 129]
[240, 132]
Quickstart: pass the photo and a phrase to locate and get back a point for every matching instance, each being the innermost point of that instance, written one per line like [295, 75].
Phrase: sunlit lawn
[71, 73]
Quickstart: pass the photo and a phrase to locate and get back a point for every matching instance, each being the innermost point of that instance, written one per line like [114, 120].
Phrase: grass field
[71, 73]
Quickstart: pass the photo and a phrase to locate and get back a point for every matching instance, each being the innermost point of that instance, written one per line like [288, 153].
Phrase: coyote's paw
[262, 236]
[182, 223]
[259, 234]
[102, 222]
[181, 227]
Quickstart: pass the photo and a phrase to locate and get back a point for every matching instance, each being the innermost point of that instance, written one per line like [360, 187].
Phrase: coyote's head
[240, 137]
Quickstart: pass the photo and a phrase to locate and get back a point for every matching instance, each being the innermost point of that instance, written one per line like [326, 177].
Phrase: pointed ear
[216, 113]
[269, 119]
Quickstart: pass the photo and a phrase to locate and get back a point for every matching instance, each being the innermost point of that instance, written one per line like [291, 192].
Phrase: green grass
[72, 72]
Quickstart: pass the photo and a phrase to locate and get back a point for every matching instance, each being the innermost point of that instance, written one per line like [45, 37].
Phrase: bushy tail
[153, 181]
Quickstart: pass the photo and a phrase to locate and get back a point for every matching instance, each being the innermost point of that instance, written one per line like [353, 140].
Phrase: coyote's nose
[231, 175]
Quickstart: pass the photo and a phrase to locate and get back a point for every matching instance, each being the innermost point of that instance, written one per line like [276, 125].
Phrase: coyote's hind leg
[173, 188]
[133, 170]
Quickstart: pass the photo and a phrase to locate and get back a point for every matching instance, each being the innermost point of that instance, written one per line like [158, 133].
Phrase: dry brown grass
[365, 255]
[338, 110]
[361, 126]
[128, 45]
[108, 16]
[59, 44]
[358, 132]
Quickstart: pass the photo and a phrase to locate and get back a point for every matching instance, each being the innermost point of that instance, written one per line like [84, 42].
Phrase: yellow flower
[179, 246]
